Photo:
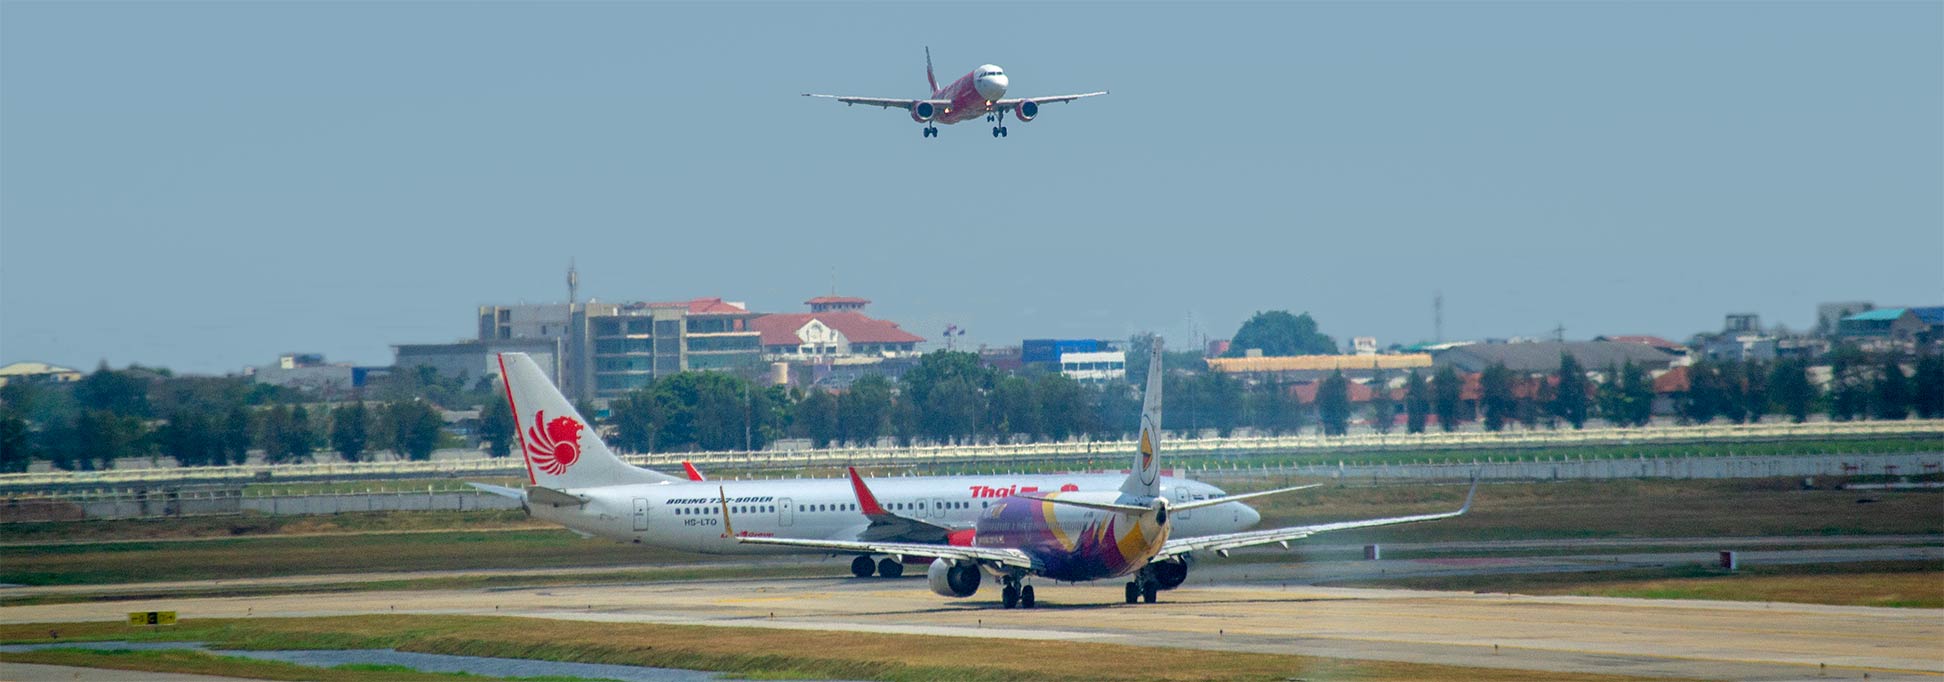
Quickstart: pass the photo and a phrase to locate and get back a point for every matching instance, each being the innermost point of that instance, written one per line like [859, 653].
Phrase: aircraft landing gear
[931, 131]
[998, 131]
[863, 567]
[1133, 592]
[890, 568]
[1016, 595]
[1144, 591]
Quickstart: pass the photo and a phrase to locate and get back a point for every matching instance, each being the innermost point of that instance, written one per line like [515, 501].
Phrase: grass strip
[1901, 584]
[772, 653]
[189, 661]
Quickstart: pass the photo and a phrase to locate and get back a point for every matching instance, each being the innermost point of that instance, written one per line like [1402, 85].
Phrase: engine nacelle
[1026, 110]
[1170, 574]
[952, 579]
[923, 111]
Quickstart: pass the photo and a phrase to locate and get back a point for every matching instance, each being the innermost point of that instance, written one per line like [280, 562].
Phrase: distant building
[37, 373]
[1741, 323]
[474, 359]
[609, 349]
[834, 304]
[1543, 356]
[1047, 352]
[1739, 347]
[1299, 368]
[1095, 368]
[1828, 314]
[309, 372]
[1893, 324]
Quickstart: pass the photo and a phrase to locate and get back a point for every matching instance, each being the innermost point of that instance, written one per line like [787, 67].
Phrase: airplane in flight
[981, 92]
[1078, 536]
[574, 480]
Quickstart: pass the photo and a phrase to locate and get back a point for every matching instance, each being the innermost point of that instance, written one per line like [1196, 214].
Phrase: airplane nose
[1250, 516]
[992, 87]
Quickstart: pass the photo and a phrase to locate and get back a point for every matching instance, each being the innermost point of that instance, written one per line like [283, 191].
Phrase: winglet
[693, 474]
[728, 531]
[866, 501]
[1469, 495]
[929, 78]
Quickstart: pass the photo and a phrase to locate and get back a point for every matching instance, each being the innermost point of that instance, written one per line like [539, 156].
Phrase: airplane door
[641, 513]
[938, 509]
[1180, 496]
[783, 511]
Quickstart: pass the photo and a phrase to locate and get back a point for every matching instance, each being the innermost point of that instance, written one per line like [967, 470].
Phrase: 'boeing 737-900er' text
[979, 93]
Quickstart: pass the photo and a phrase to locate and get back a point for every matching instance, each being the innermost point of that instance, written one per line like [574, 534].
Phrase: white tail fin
[560, 448]
[1145, 479]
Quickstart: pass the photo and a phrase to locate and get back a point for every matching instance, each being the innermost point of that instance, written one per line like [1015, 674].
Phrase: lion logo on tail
[553, 446]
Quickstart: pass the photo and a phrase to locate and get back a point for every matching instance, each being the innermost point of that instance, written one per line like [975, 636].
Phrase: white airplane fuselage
[688, 516]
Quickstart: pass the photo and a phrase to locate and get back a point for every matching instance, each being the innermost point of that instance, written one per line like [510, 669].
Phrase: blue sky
[205, 185]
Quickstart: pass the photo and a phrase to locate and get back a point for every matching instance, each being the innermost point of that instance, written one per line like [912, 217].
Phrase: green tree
[1447, 391]
[235, 437]
[1789, 384]
[496, 426]
[191, 438]
[1639, 393]
[638, 418]
[107, 390]
[1333, 404]
[1220, 400]
[950, 411]
[300, 438]
[1569, 397]
[1273, 410]
[1278, 333]
[16, 443]
[1383, 410]
[1755, 399]
[1065, 407]
[1928, 398]
[1849, 395]
[1015, 409]
[1495, 394]
[1417, 402]
[414, 426]
[1892, 394]
[1704, 397]
[102, 436]
[351, 431]
[864, 411]
[817, 419]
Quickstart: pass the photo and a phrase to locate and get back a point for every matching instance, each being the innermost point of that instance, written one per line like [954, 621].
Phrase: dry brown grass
[770, 653]
[1910, 584]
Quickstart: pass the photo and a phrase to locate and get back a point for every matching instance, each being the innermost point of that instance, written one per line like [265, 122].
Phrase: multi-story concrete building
[609, 349]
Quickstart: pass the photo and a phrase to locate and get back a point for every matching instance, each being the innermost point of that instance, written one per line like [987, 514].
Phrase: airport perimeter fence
[1309, 446]
[144, 504]
[1569, 468]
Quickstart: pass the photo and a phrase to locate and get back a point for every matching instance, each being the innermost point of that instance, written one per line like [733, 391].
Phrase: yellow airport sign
[151, 618]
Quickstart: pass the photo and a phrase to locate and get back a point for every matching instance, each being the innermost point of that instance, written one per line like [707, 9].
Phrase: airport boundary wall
[1299, 446]
[1568, 469]
[150, 505]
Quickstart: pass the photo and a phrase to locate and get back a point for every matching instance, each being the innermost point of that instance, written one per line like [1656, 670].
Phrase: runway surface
[1724, 640]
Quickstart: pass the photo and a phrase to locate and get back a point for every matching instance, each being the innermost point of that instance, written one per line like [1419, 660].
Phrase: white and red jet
[981, 92]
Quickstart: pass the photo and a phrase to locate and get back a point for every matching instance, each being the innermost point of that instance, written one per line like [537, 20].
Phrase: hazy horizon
[203, 186]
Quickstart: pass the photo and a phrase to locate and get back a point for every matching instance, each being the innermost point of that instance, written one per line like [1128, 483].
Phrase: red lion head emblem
[553, 445]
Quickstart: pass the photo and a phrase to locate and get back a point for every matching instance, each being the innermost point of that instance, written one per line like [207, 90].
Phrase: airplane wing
[887, 103]
[1221, 544]
[986, 555]
[1009, 104]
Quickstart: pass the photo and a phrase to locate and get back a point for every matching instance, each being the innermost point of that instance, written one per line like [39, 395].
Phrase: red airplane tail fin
[929, 78]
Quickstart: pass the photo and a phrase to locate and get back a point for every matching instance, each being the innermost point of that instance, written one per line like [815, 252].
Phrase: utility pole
[1437, 318]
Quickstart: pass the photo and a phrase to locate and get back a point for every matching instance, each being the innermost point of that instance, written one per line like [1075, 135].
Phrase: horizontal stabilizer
[554, 498]
[1103, 506]
[501, 491]
[1198, 504]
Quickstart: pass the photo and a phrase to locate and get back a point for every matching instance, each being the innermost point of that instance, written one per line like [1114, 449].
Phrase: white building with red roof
[832, 334]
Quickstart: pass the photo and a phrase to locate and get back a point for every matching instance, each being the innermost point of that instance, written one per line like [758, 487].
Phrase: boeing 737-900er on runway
[981, 92]
[575, 481]
[1075, 536]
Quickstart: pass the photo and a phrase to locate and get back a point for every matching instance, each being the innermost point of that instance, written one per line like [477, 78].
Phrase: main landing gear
[1016, 594]
[931, 131]
[998, 131]
[1142, 591]
[863, 567]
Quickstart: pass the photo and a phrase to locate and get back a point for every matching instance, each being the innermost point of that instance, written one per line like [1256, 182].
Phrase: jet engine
[952, 579]
[923, 111]
[1026, 110]
[1170, 574]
